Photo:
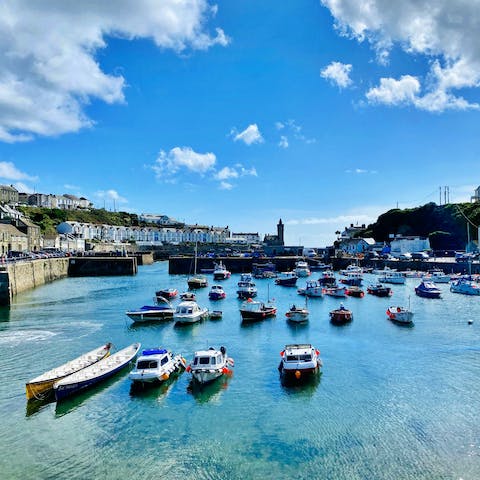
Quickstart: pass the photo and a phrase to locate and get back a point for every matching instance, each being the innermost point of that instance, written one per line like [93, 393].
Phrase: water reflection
[303, 388]
[209, 392]
[153, 390]
[34, 405]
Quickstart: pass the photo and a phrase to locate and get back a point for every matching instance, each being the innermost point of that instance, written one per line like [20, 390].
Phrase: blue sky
[238, 113]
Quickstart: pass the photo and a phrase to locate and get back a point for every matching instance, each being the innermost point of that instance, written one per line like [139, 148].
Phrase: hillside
[49, 218]
[444, 225]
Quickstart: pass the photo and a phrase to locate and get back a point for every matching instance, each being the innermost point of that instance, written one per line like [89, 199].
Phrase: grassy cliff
[444, 225]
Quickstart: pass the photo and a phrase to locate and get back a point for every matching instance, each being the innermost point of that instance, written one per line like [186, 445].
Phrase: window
[145, 364]
[204, 360]
[164, 360]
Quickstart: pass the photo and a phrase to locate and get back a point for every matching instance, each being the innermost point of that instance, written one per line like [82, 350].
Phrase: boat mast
[195, 261]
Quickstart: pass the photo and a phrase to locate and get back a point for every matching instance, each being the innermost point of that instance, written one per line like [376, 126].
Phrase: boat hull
[257, 316]
[341, 317]
[206, 376]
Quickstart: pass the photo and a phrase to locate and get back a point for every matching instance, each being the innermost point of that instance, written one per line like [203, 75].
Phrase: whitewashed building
[400, 244]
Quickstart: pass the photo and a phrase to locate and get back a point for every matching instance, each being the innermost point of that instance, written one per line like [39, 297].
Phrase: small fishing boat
[216, 292]
[428, 290]
[196, 280]
[352, 279]
[39, 387]
[95, 373]
[299, 362]
[400, 315]
[327, 279]
[297, 314]
[215, 315]
[188, 296]
[465, 286]
[286, 279]
[254, 311]
[379, 290]
[167, 293]
[393, 276]
[312, 289]
[207, 365]
[188, 312]
[437, 275]
[151, 313]
[220, 272]
[246, 287]
[335, 291]
[341, 316]
[354, 291]
[352, 269]
[301, 268]
[156, 365]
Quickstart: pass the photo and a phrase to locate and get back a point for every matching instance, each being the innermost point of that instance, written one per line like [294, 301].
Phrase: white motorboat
[197, 280]
[302, 269]
[351, 269]
[437, 276]
[156, 365]
[397, 278]
[465, 286]
[299, 362]
[312, 289]
[220, 272]
[216, 292]
[401, 315]
[207, 365]
[151, 313]
[189, 312]
[246, 287]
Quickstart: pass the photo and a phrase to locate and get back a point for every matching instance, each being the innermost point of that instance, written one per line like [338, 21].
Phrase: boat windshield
[146, 364]
[299, 358]
[204, 360]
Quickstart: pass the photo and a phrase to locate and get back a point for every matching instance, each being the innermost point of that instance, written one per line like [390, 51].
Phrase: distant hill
[444, 225]
[49, 218]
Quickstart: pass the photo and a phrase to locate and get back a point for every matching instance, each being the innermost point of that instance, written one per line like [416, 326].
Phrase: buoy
[298, 374]
[188, 368]
[470, 321]
[165, 376]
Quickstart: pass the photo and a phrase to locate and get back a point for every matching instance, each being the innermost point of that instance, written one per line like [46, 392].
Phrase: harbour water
[391, 403]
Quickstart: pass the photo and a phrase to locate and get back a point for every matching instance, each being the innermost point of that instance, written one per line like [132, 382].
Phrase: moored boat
[299, 362]
[341, 316]
[428, 290]
[352, 279]
[197, 281]
[312, 289]
[39, 387]
[354, 291]
[286, 279]
[254, 311]
[188, 312]
[156, 365]
[465, 286]
[297, 314]
[188, 296]
[215, 315]
[246, 287]
[302, 269]
[207, 365]
[335, 291]
[379, 290]
[327, 279]
[167, 293]
[437, 276]
[220, 272]
[95, 373]
[400, 315]
[150, 313]
[397, 278]
[216, 292]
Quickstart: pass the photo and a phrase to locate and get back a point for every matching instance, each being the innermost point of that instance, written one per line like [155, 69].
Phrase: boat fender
[189, 368]
[298, 374]
[399, 309]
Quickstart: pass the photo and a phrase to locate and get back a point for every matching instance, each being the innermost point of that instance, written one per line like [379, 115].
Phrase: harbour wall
[185, 264]
[17, 277]
[21, 276]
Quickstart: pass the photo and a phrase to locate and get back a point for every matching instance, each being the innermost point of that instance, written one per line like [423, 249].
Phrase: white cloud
[225, 173]
[48, 56]
[23, 188]
[360, 171]
[225, 185]
[283, 143]
[445, 32]
[177, 158]
[10, 172]
[71, 187]
[110, 195]
[279, 125]
[250, 135]
[338, 73]
[395, 92]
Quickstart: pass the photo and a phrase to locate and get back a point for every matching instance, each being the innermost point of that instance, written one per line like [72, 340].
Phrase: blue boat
[428, 290]
[96, 373]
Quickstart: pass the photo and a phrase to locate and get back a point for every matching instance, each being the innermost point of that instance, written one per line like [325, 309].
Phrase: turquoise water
[392, 402]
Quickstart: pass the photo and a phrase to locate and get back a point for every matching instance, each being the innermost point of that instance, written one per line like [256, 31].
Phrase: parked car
[405, 256]
[371, 254]
[420, 256]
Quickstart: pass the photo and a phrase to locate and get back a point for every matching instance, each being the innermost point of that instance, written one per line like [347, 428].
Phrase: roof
[7, 227]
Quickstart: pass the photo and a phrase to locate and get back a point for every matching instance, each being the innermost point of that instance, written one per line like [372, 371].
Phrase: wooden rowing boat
[95, 373]
[40, 386]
